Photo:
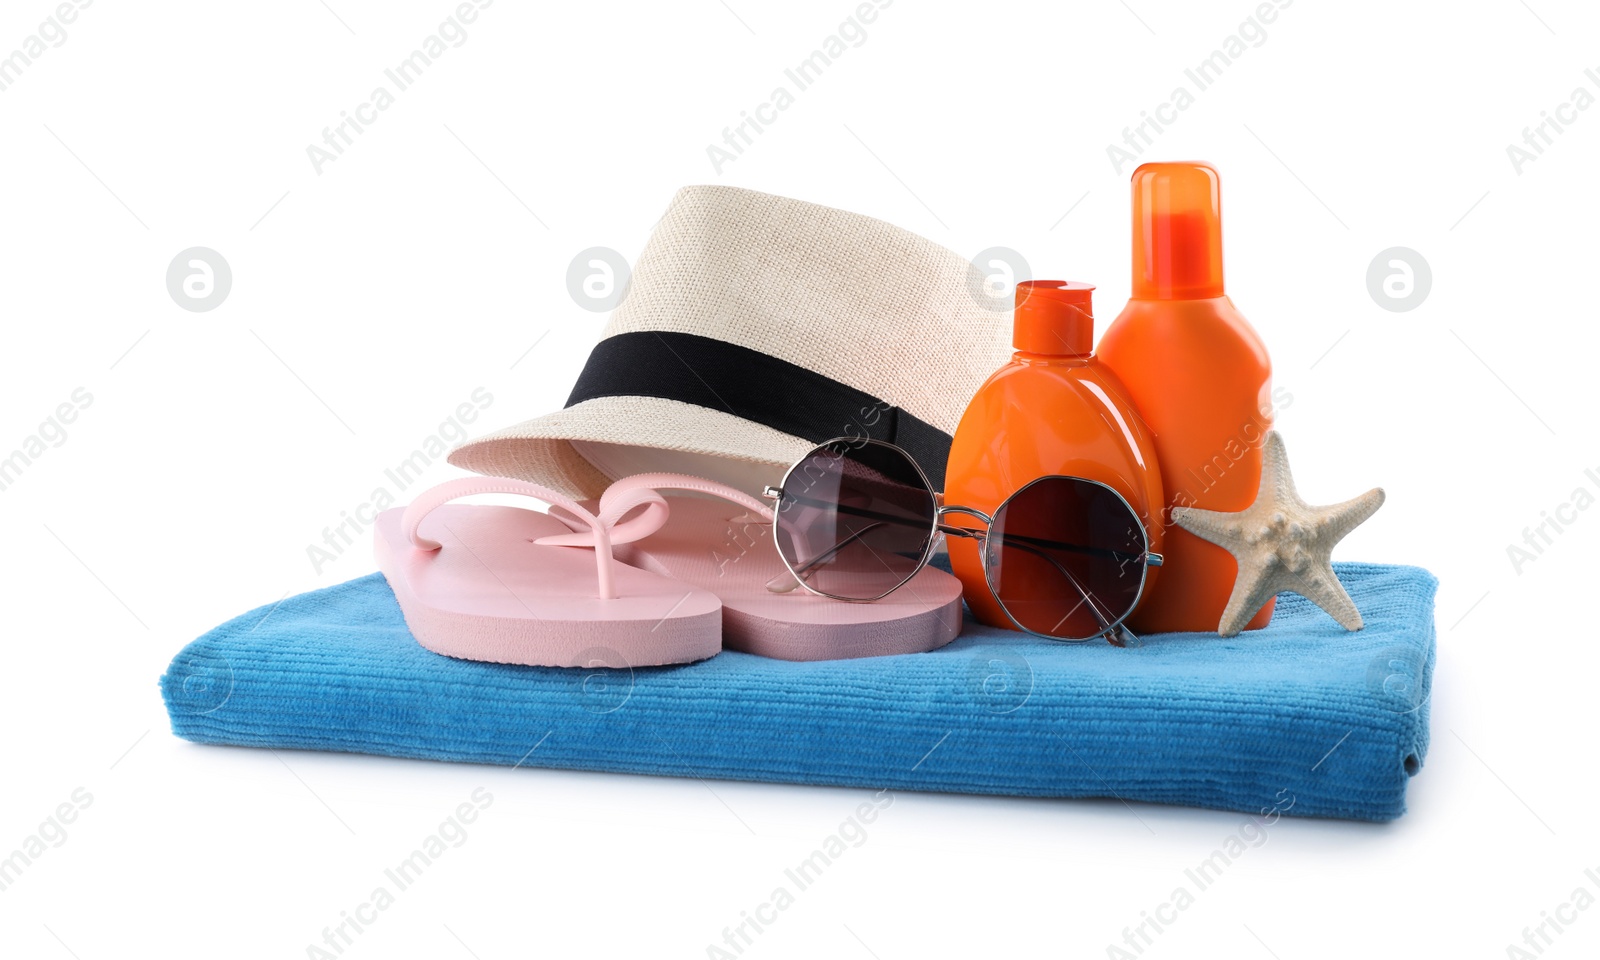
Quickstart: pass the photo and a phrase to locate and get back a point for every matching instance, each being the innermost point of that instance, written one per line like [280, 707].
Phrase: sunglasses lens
[1066, 558]
[855, 519]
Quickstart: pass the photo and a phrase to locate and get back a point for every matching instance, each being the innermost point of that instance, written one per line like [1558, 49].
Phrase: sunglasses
[1065, 557]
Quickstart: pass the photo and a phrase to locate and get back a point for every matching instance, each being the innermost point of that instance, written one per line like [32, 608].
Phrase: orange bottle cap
[1177, 232]
[1054, 317]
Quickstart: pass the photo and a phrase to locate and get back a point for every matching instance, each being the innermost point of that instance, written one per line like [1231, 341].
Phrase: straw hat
[754, 328]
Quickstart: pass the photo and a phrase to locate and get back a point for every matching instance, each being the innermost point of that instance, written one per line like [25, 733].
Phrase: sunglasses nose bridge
[950, 529]
[945, 511]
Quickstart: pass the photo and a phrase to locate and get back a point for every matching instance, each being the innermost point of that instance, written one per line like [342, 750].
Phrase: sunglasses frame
[1113, 631]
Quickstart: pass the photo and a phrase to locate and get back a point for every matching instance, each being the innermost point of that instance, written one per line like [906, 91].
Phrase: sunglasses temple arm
[787, 581]
[858, 511]
[1117, 555]
[1115, 634]
[883, 518]
[964, 531]
[967, 532]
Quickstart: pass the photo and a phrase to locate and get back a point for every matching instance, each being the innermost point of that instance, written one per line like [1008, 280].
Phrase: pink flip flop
[475, 582]
[725, 546]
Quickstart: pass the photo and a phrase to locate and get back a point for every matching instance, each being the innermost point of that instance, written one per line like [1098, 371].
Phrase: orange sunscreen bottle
[1054, 410]
[1200, 378]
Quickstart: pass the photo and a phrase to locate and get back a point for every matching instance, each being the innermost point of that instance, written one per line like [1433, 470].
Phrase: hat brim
[541, 450]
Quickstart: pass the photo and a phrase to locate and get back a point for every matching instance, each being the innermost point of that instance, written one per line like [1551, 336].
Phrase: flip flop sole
[719, 547]
[492, 594]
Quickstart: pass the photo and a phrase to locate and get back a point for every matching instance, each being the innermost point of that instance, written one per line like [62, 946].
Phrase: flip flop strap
[600, 537]
[628, 493]
[619, 493]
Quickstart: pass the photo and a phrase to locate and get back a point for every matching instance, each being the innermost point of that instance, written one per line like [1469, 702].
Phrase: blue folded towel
[1302, 718]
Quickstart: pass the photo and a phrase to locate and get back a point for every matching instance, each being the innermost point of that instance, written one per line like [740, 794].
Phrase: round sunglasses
[1065, 557]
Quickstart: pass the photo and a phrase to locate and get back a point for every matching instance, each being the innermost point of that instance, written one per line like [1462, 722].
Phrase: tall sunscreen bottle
[1199, 376]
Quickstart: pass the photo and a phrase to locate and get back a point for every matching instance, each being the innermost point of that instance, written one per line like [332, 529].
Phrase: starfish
[1282, 543]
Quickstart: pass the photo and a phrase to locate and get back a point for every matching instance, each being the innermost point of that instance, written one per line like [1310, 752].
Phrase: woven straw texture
[855, 299]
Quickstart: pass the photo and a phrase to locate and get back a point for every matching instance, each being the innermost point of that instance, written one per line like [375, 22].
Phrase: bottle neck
[1029, 359]
[1219, 298]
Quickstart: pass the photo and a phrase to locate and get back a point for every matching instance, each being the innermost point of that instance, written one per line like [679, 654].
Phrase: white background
[370, 300]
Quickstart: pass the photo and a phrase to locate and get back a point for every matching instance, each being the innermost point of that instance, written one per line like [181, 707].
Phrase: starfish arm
[1218, 528]
[1276, 478]
[1277, 531]
[1251, 591]
[1322, 587]
[1341, 518]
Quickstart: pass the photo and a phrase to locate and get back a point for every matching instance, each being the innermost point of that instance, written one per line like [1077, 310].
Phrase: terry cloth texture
[1302, 717]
